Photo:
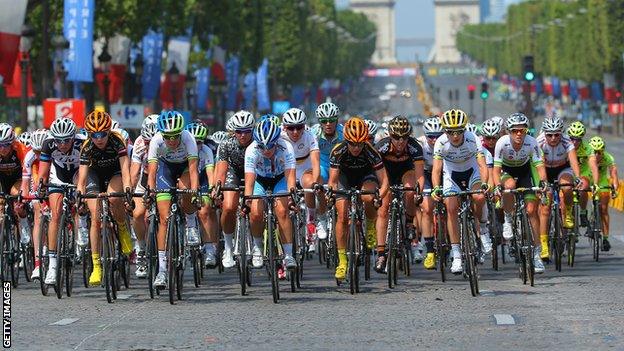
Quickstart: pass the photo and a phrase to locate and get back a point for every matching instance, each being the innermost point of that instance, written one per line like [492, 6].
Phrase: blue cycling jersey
[326, 145]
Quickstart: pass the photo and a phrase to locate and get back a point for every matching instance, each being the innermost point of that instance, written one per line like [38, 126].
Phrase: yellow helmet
[454, 119]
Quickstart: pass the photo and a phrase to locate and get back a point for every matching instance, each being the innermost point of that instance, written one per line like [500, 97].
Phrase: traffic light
[484, 91]
[527, 68]
[471, 89]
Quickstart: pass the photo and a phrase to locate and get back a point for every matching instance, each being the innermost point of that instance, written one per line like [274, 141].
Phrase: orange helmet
[98, 121]
[355, 130]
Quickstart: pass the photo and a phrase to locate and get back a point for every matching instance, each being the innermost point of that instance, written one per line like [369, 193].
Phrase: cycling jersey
[555, 156]
[206, 161]
[326, 146]
[30, 169]
[159, 151]
[302, 148]
[355, 168]
[506, 155]
[604, 164]
[63, 166]
[398, 164]
[139, 155]
[458, 158]
[233, 153]
[104, 161]
[485, 147]
[213, 146]
[11, 166]
[270, 171]
[427, 152]
[583, 152]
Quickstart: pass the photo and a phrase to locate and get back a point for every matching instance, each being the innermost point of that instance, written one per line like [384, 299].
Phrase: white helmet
[490, 128]
[266, 132]
[517, 119]
[24, 138]
[115, 125]
[63, 128]
[432, 126]
[148, 129]
[471, 127]
[552, 125]
[124, 134]
[37, 138]
[498, 120]
[293, 116]
[327, 110]
[241, 120]
[7, 135]
[220, 136]
[372, 127]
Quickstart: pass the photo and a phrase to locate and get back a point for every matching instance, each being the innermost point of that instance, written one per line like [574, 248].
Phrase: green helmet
[170, 122]
[597, 143]
[576, 130]
[198, 130]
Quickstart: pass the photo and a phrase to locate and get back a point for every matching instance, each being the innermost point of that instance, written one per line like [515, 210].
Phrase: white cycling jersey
[427, 153]
[506, 155]
[283, 159]
[206, 158]
[302, 148]
[139, 153]
[186, 150]
[555, 156]
[458, 158]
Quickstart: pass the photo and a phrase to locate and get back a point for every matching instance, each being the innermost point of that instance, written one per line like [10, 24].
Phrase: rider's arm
[152, 167]
[419, 174]
[193, 173]
[135, 171]
[250, 181]
[483, 170]
[436, 172]
[384, 185]
[541, 171]
[315, 157]
[334, 174]
[615, 182]
[83, 170]
[250, 169]
[496, 175]
[291, 178]
[593, 166]
[124, 163]
[44, 171]
[210, 173]
[574, 163]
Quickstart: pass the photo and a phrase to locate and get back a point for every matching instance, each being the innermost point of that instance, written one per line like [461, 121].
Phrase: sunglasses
[5, 145]
[327, 120]
[265, 147]
[98, 135]
[518, 131]
[489, 138]
[455, 132]
[171, 137]
[355, 144]
[242, 131]
[553, 135]
[398, 138]
[433, 136]
[63, 141]
[295, 127]
[576, 140]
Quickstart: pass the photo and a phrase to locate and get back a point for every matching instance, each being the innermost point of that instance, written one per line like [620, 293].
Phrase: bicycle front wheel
[272, 250]
[172, 258]
[43, 257]
[469, 254]
[61, 254]
[107, 267]
[391, 249]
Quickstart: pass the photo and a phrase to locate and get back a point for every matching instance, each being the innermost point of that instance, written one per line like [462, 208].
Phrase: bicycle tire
[243, 268]
[597, 232]
[351, 264]
[555, 231]
[440, 238]
[14, 256]
[292, 273]
[528, 241]
[172, 253]
[107, 268]
[196, 270]
[368, 254]
[333, 248]
[43, 258]
[391, 249]
[28, 257]
[70, 260]
[4, 253]
[152, 255]
[272, 259]
[467, 251]
[572, 237]
[60, 257]
[493, 234]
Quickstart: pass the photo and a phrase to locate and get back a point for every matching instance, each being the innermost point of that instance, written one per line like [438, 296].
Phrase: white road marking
[123, 296]
[504, 319]
[486, 292]
[65, 321]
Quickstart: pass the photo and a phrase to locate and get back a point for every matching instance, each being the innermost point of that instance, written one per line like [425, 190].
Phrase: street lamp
[25, 45]
[174, 75]
[138, 74]
[60, 43]
[105, 59]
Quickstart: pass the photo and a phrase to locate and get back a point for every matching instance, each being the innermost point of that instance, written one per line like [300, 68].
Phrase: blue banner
[152, 57]
[202, 79]
[262, 86]
[78, 30]
[279, 107]
[596, 91]
[231, 76]
[556, 87]
[574, 93]
[539, 85]
[297, 96]
[249, 87]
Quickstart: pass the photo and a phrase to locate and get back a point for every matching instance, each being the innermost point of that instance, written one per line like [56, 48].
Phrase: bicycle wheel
[518, 245]
[196, 263]
[152, 255]
[107, 266]
[172, 258]
[351, 264]
[494, 235]
[391, 248]
[61, 252]
[14, 256]
[292, 274]
[441, 246]
[468, 253]
[4, 254]
[70, 260]
[272, 251]
[597, 232]
[241, 243]
[573, 235]
[28, 257]
[529, 248]
[555, 235]
[43, 257]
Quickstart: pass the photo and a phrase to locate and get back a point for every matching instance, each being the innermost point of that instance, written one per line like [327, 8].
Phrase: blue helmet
[170, 122]
[266, 132]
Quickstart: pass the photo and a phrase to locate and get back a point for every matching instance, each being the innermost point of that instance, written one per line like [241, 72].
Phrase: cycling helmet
[272, 117]
[148, 129]
[552, 124]
[327, 110]
[372, 127]
[198, 130]
[491, 128]
[98, 121]
[597, 143]
[63, 128]
[517, 119]
[7, 135]
[124, 134]
[499, 120]
[432, 126]
[293, 116]
[241, 120]
[24, 138]
[454, 119]
[37, 138]
[399, 126]
[266, 132]
[82, 133]
[471, 128]
[115, 125]
[355, 130]
[576, 130]
[170, 122]
[220, 136]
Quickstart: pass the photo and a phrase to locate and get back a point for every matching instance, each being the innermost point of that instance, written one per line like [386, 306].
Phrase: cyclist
[172, 163]
[104, 160]
[402, 156]
[355, 163]
[608, 178]
[516, 158]
[460, 155]
[372, 131]
[490, 132]
[229, 171]
[219, 137]
[270, 165]
[24, 138]
[207, 216]
[561, 165]
[328, 134]
[587, 162]
[307, 156]
[29, 180]
[433, 130]
[138, 180]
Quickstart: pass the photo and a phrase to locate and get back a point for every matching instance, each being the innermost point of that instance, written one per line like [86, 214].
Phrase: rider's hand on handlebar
[436, 193]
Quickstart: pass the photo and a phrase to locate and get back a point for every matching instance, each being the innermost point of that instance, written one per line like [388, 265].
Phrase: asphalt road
[578, 309]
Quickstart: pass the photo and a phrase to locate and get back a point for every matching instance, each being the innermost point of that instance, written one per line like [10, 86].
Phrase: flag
[14, 90]
[609, 88]
[596, 91]
[202, 84]
[262, 86]
[152, 57]
[583, 89]
[232, 80]
[178, 50]
[249, 87]
[556, 88]
[78, 30]
[297, 96]
[12, 14]
[574, 92]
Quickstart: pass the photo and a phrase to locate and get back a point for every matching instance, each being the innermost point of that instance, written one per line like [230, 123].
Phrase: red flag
[166, 92]
[12, 14]
[14, 90]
